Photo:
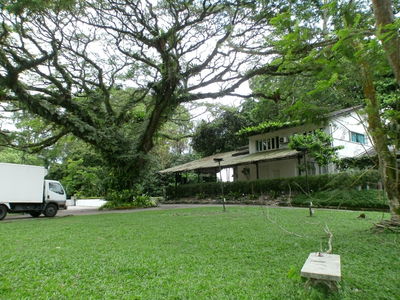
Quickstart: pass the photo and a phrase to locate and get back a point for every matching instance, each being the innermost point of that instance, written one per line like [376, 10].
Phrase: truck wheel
[50, 210]
[3, 212]
[35, 214]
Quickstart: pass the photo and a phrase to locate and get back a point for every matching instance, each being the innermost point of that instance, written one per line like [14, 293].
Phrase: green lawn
[193, 254]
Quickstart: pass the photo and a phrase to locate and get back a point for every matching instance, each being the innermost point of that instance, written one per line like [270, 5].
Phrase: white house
[268, 155]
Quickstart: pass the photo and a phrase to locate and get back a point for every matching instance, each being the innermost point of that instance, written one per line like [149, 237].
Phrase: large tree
[350, 57]
[64, 64]
[64, 60]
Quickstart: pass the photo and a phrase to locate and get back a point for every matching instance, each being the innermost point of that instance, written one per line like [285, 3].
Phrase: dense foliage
[220, 135]
[354, 199]
[126, 199]
[358, 50]
[318, 145]
[267, 126]
[346, 180]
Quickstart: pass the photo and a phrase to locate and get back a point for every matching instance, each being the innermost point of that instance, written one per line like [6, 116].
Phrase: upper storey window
[267, 144]
[358, 138]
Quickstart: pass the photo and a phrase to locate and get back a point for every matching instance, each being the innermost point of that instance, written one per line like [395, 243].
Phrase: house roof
[272, 126]
[344, 111]
[230, 160]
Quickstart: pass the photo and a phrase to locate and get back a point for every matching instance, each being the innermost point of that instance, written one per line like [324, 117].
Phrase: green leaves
[318, 145]
[322, 85]
[19, 7]
[220, 134]
[267, 127]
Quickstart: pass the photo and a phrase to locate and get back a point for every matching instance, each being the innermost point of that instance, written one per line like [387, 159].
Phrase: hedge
[374, 199]
[298, 185]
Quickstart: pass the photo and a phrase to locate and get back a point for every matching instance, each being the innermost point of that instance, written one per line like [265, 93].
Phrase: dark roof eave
[230, 165]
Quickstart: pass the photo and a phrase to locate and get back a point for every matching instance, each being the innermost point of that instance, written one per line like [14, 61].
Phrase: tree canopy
[67, 63]
[220, 135]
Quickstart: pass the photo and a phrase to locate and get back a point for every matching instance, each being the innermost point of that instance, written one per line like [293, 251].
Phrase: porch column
[257, 171]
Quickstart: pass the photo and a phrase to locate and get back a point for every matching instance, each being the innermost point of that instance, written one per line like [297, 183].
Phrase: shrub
[344, 198]
[278, 186]
[120, 196]
[127, 199]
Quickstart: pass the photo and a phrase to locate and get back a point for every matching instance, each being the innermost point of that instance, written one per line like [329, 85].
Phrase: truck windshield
[56, 188]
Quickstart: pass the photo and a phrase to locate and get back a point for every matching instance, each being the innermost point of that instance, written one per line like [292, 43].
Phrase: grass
[193, 254]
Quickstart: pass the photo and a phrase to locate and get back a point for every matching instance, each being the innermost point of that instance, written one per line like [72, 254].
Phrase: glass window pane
[353, 137]
[358, 138]
[56, 188]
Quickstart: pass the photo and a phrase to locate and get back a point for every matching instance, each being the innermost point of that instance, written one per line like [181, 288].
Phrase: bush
[344, 199]
[126, 199]
[278, 186]
[120, 196]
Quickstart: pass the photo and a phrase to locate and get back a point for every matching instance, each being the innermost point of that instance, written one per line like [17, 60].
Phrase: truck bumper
[62, 206]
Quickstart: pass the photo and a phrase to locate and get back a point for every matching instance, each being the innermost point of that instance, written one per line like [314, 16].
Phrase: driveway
[86, 210]
[90, 210]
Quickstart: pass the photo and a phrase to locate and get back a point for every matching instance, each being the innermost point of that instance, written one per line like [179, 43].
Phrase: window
[56, 188]
[358, 138]
[267, 144]
[258, 146]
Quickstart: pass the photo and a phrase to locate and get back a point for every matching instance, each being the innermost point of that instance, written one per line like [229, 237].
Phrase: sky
[201, 113]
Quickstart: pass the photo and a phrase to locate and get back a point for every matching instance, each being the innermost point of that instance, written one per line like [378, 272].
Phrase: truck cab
[54, 193]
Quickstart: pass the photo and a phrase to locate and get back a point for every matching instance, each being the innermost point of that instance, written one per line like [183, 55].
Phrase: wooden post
[311, 209]
[218, 160]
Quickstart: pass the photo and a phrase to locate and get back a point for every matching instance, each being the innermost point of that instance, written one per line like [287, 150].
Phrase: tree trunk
[387, 159]
[383, 10]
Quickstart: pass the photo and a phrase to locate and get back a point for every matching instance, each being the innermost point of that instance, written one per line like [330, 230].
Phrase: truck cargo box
[21, 183]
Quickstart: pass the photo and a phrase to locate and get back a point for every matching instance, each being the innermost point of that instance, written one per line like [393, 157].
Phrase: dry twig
[280, 226]
[330, 234]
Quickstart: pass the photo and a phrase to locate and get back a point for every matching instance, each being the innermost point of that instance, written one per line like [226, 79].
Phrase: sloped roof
[229, 160]
[268, 126]
[344, 111]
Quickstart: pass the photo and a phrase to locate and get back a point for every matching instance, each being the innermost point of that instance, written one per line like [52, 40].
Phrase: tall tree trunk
[383, 10]
[387, 159]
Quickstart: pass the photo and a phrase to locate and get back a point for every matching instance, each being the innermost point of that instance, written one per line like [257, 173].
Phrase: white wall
[281, 133]
[340, 128]
[269, 170]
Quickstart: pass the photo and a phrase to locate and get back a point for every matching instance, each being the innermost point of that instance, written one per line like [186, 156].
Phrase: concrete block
[322, 266]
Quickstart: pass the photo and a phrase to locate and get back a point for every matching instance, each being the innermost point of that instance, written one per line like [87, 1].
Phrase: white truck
[24, 189]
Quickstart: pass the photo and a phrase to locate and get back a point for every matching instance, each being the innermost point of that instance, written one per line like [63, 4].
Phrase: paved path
[89, 210]
[82, 210]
